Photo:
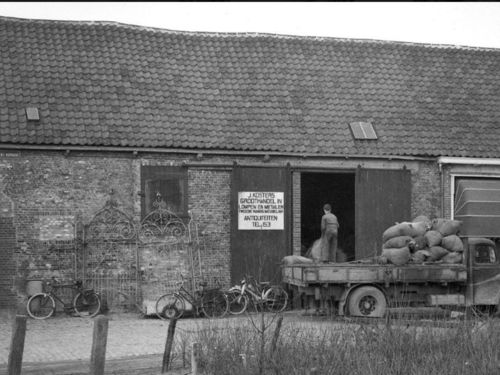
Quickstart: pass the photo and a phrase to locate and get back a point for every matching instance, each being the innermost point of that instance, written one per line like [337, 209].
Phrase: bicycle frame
[246, 289]
[188, 297]
[263, 295]
[247, 285]
[75, 287]
[68, 305]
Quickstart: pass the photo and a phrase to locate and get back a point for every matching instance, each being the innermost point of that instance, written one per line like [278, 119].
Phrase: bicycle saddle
[203, 284]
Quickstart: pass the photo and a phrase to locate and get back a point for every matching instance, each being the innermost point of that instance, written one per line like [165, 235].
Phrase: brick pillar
[296, 201]
[7, 245]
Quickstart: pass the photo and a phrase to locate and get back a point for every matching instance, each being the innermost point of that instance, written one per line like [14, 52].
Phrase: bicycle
[211, 302]
[260, 295]
[85, 303]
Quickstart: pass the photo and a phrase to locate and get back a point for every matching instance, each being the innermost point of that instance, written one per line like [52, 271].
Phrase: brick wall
[49, 187]
[7, 246]
[7, 266]
[426, 190]
[55, 195]
[209, 201]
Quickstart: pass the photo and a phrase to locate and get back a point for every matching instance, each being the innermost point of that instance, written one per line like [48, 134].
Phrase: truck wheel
[367, 301]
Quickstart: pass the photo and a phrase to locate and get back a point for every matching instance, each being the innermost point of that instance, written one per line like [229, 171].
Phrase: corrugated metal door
[383, 197]
[257, 246]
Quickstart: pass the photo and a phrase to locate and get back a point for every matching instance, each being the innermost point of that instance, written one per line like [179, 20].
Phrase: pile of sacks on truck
[422, 241]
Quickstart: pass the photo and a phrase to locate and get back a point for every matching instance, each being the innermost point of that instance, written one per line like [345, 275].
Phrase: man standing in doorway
[329, 232]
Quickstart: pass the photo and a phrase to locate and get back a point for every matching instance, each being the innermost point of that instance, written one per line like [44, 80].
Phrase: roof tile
[113, 84]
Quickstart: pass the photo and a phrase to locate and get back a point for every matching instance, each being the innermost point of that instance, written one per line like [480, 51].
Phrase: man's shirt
[329, 222]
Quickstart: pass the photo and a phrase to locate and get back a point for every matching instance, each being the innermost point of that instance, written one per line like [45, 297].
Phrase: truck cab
[484, 272]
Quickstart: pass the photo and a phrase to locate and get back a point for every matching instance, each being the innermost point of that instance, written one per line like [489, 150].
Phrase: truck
[368, 289]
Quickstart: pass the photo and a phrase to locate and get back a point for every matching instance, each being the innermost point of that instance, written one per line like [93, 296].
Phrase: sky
[453, 23]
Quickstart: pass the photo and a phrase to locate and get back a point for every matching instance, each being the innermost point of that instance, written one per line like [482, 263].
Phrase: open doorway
[338, 189]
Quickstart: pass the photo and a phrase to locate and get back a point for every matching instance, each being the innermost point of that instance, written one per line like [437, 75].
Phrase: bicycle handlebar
[54, 281]
[202, 284]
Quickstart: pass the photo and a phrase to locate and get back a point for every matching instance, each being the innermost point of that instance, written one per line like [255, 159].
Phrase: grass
[354, 349]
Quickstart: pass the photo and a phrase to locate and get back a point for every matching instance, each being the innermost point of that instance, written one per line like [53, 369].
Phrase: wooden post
[168, 346]
[184, 354]
[17, 345]
[99, 340]
[274, 342]
[195, 358]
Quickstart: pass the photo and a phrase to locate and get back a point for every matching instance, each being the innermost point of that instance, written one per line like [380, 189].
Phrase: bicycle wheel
[276, 299]
[237, 302]
[170, 306]
[214, 304]
[41, 306]
[87, 304]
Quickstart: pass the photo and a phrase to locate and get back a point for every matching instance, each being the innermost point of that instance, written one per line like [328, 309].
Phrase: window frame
[164, 172]
[492, 251]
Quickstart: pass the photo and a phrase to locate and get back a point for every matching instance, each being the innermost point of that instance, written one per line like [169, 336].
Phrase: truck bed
[352, 273]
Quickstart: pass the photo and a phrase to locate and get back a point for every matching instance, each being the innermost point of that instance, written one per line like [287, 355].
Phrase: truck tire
[367, 301]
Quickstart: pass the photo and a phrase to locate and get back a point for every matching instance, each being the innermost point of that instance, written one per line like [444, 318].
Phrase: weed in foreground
[354, 350]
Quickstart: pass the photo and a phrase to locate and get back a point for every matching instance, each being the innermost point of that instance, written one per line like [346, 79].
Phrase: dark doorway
[338, 189]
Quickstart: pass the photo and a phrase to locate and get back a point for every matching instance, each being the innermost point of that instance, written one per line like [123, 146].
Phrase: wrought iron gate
[168, 252]
[110, 258]
[141, 261]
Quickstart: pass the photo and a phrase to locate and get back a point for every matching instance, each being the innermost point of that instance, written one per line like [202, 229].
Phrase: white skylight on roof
[363, 130]
[32, 114]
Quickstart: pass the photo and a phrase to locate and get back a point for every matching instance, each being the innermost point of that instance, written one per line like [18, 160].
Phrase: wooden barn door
[260, 222]
[383, 197]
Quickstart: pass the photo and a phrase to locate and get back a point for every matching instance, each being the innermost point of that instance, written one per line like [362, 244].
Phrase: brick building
[97, 118]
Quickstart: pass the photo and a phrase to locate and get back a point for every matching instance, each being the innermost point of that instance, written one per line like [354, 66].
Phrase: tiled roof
[109, 84]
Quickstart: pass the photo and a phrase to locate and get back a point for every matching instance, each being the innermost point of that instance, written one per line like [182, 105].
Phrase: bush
[354, 349]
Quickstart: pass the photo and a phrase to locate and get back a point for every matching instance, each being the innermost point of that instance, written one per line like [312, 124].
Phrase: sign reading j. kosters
[259, 210]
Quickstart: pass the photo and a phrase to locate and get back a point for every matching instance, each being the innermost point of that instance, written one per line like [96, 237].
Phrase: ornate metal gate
[110, 259]
[168, 252]
[141, 261]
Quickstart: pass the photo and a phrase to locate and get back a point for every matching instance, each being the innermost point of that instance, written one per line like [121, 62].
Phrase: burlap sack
[295, 259]
[423, 218]
[314, 251]
[418, 228]
[421, 256]
[400, 229]
[446, 227]
[437, 252]
[453, 257]
[420, 243]
[452, 243]
[397, 242]
[433, 238]
[437, 223]
[397, 256]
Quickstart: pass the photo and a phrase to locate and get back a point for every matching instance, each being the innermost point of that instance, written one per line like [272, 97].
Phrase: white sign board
[259, 210]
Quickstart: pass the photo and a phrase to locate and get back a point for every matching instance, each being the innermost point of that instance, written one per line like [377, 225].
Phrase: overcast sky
[457, 23]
